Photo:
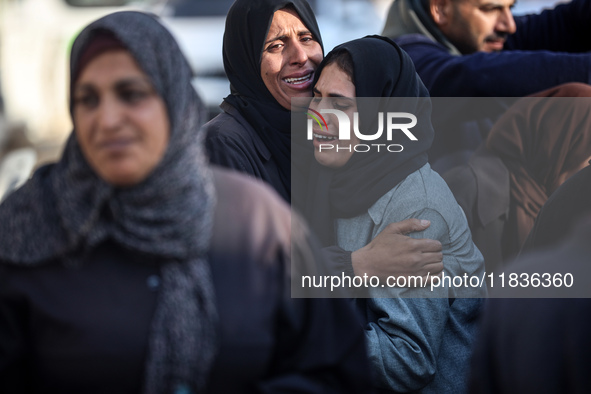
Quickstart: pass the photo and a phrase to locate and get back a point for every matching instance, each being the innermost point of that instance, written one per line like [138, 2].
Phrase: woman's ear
[441, 11]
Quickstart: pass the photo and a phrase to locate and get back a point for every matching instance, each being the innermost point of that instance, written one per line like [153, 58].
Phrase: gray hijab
[66, 210]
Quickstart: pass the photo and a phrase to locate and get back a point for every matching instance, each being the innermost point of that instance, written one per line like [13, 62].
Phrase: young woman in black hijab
[131, 266]
[420, 344]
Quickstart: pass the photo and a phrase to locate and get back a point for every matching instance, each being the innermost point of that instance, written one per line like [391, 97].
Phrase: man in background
[476, 48]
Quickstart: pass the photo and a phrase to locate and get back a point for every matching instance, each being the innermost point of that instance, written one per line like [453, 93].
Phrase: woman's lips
[303, 82]
[324, 138]
[116, 145]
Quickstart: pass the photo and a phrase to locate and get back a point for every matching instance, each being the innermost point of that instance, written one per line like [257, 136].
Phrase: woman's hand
[392, 253]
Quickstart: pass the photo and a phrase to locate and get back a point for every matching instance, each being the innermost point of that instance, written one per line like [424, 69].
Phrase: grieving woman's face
[334, 90]
[121, 122]
[290, 56]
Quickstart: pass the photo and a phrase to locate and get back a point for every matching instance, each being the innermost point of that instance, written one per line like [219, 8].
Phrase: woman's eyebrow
[304, 33]
[336, 95]
[141, 81]
[134, 81]
[82, 87]
[282, 36]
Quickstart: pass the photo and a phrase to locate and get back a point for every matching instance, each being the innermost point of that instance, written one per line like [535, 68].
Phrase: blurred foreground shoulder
[318, 344]
[249, 216]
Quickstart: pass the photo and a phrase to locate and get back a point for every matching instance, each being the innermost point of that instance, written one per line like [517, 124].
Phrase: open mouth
[116, 144]
[300, 80]
[323, 138]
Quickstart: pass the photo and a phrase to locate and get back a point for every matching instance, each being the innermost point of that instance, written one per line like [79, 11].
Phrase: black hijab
[66, 210]
[247, 25]
[380, 69]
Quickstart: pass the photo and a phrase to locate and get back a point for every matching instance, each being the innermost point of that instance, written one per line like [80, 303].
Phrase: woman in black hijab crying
[271, 49]
[131, 266]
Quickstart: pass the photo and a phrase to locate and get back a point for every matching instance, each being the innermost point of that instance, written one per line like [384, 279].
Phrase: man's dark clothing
[548, 49]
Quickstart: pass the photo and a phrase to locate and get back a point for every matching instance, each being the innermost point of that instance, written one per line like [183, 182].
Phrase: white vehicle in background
[198, 26]
[35, 38]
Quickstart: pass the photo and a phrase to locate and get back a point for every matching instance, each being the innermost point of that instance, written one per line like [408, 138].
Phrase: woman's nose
[297, 53]
[110, 114]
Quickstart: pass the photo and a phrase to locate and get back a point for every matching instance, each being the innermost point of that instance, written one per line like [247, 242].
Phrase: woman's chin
[328, 159]
[121, 177]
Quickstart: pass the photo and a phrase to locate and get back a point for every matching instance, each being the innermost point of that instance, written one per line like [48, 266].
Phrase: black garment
[568, 204]
[247, 25]
[533, 346]
[231, 142]
[380, 69]
[482, 188]
[85, 329]
[539, 345]
[252, 135]
[81, 329]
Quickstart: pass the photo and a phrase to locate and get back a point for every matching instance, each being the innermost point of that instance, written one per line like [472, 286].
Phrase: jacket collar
[493, 183]
[409, 17]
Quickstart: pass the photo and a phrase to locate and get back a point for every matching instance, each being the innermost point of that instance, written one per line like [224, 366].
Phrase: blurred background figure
[565, 207]
[532, 149]
[539, 344]
[132, 266]
[18, 157]
[477, 48]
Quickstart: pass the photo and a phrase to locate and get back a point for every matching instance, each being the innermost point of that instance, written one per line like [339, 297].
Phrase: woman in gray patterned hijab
[132, 173]
[121, 272]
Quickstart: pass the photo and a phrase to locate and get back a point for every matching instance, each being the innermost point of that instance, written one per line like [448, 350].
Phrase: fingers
[426, 245]
[428, 279]
[407, 226]
[433, 269]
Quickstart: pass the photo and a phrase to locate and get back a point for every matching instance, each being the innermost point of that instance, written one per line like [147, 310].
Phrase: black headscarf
[247, 25]
[66, 210]
[380, 69]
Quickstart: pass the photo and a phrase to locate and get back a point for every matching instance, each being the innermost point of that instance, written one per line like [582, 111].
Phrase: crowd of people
[164, 255]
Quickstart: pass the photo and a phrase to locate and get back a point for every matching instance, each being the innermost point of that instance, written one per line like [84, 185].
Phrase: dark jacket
[231, 142]
[481, 187]
[568, 204]
[536, 338]
[85, 329]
